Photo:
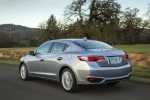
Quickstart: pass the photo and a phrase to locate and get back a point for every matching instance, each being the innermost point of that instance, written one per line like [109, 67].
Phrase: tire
[68, 81]
[24, 72]
[113, 83]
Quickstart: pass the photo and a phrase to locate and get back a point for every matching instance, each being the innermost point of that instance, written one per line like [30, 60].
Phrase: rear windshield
[91, 44]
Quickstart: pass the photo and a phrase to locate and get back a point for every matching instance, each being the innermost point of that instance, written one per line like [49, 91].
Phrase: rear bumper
[104, 74]
[107, 80]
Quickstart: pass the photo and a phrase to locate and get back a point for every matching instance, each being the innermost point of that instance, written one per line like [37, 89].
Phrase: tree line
[101, 20]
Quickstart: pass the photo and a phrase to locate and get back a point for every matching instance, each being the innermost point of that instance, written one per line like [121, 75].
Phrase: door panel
[36, 62]
[55, 59]
[52, 64]
[36, 67]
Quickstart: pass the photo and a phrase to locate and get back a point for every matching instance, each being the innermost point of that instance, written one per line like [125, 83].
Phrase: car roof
[69, 40]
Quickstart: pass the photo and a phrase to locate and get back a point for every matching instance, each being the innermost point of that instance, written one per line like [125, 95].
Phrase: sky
[32, 12]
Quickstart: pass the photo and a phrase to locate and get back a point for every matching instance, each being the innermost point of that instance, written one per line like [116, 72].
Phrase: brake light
[99, 58]
[126, 56]
[91, 58]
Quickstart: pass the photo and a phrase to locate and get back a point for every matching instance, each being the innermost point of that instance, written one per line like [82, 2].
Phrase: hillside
[11, 28]
[16, 35]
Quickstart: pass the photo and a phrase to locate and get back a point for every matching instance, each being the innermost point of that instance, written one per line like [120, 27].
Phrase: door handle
[41, 59]
[59, 58]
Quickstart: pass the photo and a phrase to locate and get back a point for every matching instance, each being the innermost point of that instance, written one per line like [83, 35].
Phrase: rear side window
[91, 44]
[66, 47]
[59, 47]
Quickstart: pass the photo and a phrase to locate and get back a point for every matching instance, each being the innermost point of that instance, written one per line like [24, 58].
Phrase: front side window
[59, 47]
[43, 48]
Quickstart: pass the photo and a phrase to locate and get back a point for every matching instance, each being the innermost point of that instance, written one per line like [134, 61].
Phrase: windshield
[91, 44]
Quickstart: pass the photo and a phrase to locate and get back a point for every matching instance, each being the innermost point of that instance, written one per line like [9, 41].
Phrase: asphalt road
[13, 88]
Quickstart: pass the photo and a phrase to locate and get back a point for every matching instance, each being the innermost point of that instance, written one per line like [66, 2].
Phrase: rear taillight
[91, 58]
[126, 56]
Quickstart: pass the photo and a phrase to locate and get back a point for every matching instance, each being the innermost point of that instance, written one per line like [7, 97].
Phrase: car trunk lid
[113, 57]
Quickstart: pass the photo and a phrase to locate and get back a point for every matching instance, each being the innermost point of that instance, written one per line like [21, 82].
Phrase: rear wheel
[24, 72]
[113, 83]
[68, 81]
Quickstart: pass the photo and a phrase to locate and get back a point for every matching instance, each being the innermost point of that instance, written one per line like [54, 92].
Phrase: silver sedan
[74, 62]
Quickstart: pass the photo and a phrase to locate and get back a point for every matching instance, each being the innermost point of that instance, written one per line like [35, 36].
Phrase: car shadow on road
[46, 82]
[102, 88]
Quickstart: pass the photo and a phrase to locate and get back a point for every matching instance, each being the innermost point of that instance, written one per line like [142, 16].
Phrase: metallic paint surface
[47, 66]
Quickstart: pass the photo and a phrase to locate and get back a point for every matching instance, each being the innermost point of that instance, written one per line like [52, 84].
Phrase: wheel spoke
[67, 80]
[23, 72]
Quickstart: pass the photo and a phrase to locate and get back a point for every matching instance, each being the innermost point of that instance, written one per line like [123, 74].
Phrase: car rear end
[101, 64]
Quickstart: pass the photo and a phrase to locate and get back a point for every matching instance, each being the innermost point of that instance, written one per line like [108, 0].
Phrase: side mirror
[31, 53]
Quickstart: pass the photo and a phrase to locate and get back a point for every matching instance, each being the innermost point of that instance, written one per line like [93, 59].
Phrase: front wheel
[68, 81]
[24, 72]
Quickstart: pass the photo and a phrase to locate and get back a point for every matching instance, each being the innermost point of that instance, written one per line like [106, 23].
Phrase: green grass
[141, 74]
[21, 49]
[137, 48]
[9, 61]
